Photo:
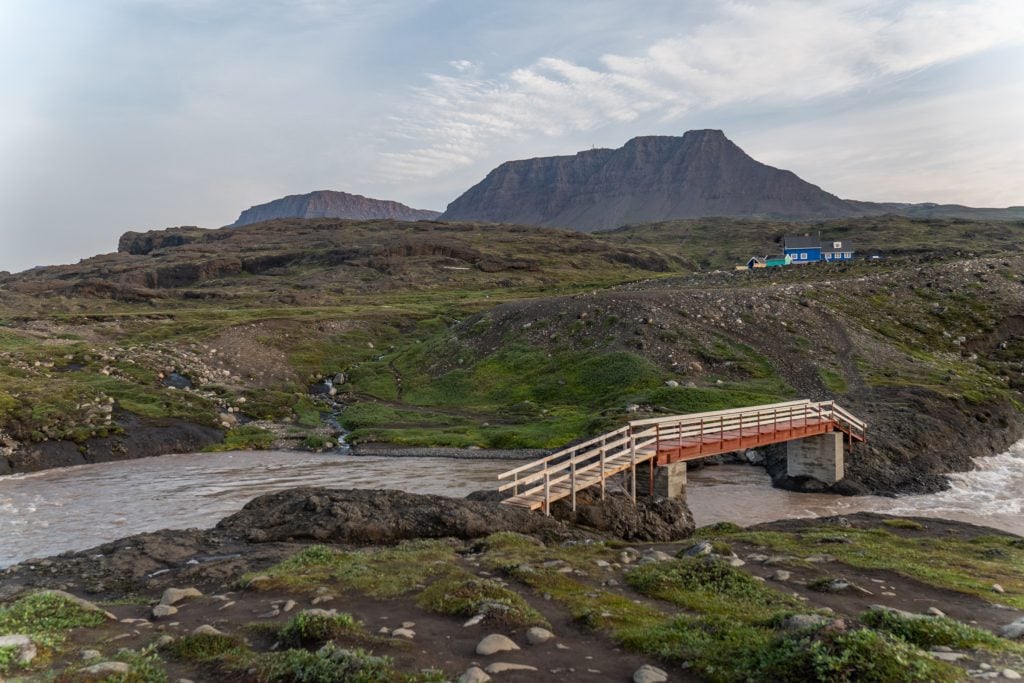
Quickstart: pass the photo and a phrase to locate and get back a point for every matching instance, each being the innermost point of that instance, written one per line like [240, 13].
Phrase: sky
[121, 115]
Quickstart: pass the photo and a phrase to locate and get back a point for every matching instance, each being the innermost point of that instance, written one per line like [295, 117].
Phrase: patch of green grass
[146, 667]
[378, 572]
[8, 658]
[833, 381]
[469, 596]
[204, 647]
[244, 438]
[46, 618]
[710, 587]
[909, 524]
[331, 664]
[928, 632]
[312, 630]
[966, 566]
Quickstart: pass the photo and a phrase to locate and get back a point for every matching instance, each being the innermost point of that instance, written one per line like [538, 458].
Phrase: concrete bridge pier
[669, 480]
[819, 457]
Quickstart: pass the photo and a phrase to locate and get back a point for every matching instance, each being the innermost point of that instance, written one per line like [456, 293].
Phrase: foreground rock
[654, 519]
[383, 516]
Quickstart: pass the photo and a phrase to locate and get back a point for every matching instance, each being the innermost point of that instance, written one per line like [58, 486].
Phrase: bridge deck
[667, 440]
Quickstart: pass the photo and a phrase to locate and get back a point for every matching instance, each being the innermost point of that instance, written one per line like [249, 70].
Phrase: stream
[76, 508]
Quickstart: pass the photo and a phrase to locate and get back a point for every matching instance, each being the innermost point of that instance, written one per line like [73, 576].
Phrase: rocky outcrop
[649, 179]
[656, 519]
[369, 516]
[331, 204]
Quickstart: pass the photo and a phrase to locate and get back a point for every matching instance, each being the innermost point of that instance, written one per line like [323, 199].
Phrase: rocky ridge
[332, 204]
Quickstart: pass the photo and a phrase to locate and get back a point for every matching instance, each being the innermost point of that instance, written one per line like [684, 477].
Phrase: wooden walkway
[665, 440]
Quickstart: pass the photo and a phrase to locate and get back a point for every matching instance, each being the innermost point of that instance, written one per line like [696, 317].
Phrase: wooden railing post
[547, 490]
[515, 489]
[603, 442]
[632, 463]
[572, 481]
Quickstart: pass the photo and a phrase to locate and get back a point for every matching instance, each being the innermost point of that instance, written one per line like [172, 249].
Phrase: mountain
[331, 204]
[648, 179]
[658, 178]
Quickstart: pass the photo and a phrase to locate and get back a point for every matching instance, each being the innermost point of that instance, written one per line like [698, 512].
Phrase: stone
[1011, 674]
[936, 612]
[473, 621]
[107, 669]
[655, 556]
[408, 624]
[173, 596]
[494, 644]
[997, 588]
[671, 384]
[700, 549]
[536, 635]
[164, 641]
[161, 611]
[403, 633]
[501, 667]
[289, 606]
[1013, 630]
[649, 674]
[206, 630]
[799, 622]
[781, 575]
[91, 654]
[474, 674]
[27, 650]
[948, 656]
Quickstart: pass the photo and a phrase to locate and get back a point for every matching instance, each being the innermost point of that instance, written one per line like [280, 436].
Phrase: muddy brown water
[77, 508]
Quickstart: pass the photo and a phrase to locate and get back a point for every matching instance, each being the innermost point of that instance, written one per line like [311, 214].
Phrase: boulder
[173, 596]
[536, 635]
[161, 611]
[27, 650]
[649, 674]
[494, 644]
[655, 519]
[1014, 630]
[375, 516]
[474, 674]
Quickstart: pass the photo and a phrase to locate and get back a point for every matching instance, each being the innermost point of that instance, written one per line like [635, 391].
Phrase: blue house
[806, 249]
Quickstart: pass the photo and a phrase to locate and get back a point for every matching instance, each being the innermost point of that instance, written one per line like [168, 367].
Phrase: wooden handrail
[631, 445]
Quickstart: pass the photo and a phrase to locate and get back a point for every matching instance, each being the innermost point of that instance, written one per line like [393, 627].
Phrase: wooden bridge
[668, 440]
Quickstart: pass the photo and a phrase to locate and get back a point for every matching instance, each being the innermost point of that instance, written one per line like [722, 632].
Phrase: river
[76, 508]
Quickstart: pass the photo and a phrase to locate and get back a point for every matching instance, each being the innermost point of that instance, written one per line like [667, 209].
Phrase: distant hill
[659, 178]
[331, 204]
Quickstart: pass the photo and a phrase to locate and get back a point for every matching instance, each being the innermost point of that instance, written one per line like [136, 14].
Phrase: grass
[908, 524]
[377, 572]
[968, 566]
[710, 587]
[47, 619]
[331, 664]
[312, 630]
[470, 596]
[205, 647]
[833, 381]
[244, 437]
[928, 632]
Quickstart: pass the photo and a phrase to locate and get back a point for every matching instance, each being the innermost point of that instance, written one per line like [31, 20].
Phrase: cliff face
[648, 179]
[330, 204]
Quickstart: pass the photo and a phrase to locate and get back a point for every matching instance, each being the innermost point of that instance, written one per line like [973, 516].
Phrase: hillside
[436, 334]
[331, 204]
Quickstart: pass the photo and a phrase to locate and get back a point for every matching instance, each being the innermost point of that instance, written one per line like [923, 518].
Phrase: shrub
[468, 597]
[306, 629]
[927, 632]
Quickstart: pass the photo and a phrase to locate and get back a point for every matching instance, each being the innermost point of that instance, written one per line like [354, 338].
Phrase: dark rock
[654, 519]
[381, 516]
[177, 381]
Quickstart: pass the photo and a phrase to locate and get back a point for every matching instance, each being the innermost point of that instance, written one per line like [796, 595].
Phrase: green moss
[833, 381]
[205, 647]
[244, 438]
[469, 596]
[909, 524]
[929, 632]
[711, 587]
[331, 664]
[311, 630]
[46, 618]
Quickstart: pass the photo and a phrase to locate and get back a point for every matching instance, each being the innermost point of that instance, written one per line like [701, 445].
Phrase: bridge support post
[819, 457]
[668, 481]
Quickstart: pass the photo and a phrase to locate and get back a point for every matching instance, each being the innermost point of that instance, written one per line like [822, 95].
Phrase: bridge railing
[587, 463]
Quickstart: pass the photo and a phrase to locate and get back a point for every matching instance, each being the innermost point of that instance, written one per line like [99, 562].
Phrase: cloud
[770, 53]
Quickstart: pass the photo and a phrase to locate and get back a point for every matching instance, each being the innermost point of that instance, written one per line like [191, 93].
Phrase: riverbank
[305, 567]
